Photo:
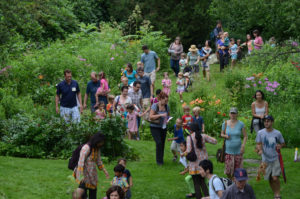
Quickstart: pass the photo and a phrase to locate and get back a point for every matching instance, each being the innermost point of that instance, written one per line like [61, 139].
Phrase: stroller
[188, 81]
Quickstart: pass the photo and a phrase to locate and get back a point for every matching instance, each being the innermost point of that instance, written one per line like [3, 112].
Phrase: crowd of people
[137, 104]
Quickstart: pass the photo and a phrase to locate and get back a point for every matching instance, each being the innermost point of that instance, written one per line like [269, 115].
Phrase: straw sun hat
[193, 48]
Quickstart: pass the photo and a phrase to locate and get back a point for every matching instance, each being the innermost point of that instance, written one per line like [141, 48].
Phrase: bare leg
[78, 193]
[204, 73]
[129, 135]
[207, 75]
[275, 185]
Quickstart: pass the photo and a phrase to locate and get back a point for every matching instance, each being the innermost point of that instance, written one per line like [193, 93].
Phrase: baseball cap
[233, 110]
[269, 117]
[240, 174]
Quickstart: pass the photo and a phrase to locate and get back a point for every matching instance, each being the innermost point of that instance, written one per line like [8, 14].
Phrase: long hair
[129, 65]
[195, 128]
[101, 75]
[96, 139]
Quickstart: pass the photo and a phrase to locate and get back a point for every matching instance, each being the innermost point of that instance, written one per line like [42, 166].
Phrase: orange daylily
[192, 103]
[183, 105]
[41, 77]
[218, 101]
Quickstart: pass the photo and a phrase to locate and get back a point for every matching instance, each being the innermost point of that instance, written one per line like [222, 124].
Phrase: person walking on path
[159, 115]
[86, 172]
[198, 141]
[91, 90]
[234, 149]
[218, 29]
[223, 52]
[268, 141]
[130, 74]
[67, 93]
[240, 189]
[149, 59]
[175, 51]
[121, 101]
[258, 41]
[260, 109]
[103, 90]
[193, 58]
[146, 88]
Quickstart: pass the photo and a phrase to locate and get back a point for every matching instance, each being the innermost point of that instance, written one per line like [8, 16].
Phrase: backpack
[225, 181]
[73, 161]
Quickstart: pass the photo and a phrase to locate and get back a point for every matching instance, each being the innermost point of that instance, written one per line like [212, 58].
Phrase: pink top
[166, 84]
[105, 88]
[249, 45]
[258, 40]
[100, 114]
[132, 121]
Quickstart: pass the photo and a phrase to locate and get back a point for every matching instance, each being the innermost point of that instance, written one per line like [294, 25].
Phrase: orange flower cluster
[197, 101]
[41, 77]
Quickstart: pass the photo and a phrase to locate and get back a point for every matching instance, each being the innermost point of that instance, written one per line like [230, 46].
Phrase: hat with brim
[240, 174]
[268, 117]
[233, 110]
[193, 48]
[186, 74]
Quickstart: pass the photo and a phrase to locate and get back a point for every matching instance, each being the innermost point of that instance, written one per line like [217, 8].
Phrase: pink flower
[113, 47]
[247, 86]
[125, 52]
[81, 59]
[268, 88]
[250, 78]
[259, 82]
[112, 58]
[275, 93]
[266, 79]
[254, 85]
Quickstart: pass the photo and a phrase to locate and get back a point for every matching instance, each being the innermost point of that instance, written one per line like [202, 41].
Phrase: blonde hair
[196, 109]
[183, 55]
[226, 33]
[111, 97]
[124, 78]
[180, 73]
[139, 63]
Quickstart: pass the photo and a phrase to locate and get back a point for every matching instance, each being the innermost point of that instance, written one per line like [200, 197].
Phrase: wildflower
[81, 59]
[267, 88]
[270, 84]
[250, 78]
[125, 52]
[192, 103]
[224, 114]
[41, 77]
[254, 85]
[183, 105]
[294, 43]
[218, 101]
[275, 93]
[272, 90]
[266, 79]
[200, 101]
[112, 58]
[259, 82]
[218, 113]
[247, 86]
[113, 47]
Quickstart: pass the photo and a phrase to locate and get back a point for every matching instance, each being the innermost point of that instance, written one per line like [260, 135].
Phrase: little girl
[233, 52]
[182, 61]
[110, 105]
[103, 90]
[180, 85]
[166, 82]
[132, 121]
[100, 112]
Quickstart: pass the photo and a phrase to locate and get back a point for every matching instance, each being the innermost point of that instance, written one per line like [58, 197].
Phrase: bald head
[94, 76]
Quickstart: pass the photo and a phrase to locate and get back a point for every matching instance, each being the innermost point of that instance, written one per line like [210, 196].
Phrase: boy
[126, 175]
[119, 180]
[187, 119]
[268, 142]
[198, 119]
[177, 139]
[216, 187]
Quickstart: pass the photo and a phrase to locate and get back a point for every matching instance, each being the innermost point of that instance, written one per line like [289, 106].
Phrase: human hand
[81, 109]
[106, 173]
[163, 115]
[259, 152]
[57, 110]
[169, 139]
[278, 146]
[242, 150]
[84, 106]
[182, 173]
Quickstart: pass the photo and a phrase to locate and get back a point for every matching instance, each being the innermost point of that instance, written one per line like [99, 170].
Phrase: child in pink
[132, 121]
[166, 82]
[103, 90]
[100, 112]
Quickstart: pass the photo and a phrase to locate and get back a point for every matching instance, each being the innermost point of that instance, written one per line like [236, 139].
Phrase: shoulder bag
[191, 156]
[221, 152]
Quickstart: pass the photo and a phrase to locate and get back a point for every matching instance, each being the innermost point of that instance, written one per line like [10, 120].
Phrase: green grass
[44, 179]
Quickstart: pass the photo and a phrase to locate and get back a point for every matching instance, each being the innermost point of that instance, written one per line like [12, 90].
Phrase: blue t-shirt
[234, 49]
[131, 77]
[233, 144]
[179, 134]
[199, 121]
[220, 43]
[91, 89]
[149, 61]
[269, 141]
[68, 93]
[145, 86]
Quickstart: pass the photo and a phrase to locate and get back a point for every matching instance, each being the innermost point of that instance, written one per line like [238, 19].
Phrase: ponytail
[195, 128]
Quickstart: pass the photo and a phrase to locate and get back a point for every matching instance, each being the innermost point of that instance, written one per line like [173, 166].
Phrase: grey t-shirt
[269, 141]
[145, 86]
[149, 61]
[234, 193]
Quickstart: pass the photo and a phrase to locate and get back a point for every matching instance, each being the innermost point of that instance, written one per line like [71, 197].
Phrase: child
[124, 82]
[119, 180]
[186, 81]
[188, 178]
[126, 175]
[132, 121]
[166, 82]
[103, 90]
[177, 139]
[249, 43]
[180, 85]
[187, 119]
[100, 112]
[239, 53]
[198, 119]
[155, 100]
[110, 105]
[226, 40]
[233, 52]
[206, 51]
[139, 64]
[182, 61]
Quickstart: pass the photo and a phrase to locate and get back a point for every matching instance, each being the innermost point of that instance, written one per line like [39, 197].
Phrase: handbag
[191, 156]
[221, 152]
[158, 120]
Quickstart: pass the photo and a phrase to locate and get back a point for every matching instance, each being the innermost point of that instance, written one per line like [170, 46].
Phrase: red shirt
[187, 119]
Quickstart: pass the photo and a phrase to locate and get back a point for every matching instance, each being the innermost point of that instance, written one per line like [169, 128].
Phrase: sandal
[277, 197]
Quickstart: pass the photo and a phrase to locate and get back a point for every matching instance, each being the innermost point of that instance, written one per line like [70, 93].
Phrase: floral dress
[194, 167]
[86, 169]
[166, 84]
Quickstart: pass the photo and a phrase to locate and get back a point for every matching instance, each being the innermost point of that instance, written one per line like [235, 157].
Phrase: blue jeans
[175, 66]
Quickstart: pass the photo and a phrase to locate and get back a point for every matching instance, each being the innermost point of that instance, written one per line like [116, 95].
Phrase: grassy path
[44, 179]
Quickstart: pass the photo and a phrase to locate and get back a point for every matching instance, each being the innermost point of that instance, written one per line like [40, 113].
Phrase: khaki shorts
[273, 169]
[175, 146]
[152, 76]
[146, 105]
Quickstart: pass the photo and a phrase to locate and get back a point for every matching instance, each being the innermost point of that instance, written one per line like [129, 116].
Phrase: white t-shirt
[218, 185]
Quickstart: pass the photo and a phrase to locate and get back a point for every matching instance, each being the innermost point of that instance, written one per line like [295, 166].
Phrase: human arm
[266, 108]
[85, 100]
[186, 170]
[154, 116]
[245, 137]
[203, 126]
[80, 101]
[84, 153]
[174, 138]
[198, 60]
[223, 135]
[209, 139]
[254, 112]
[130, 182]
[158, 64]
[56, 103]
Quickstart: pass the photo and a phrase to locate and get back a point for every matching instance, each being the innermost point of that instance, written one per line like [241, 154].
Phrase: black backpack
[225, 181]
[73, 161]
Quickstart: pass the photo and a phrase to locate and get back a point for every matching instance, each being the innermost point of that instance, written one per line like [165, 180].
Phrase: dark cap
[233, 110]
[240, 174]
[269, 117]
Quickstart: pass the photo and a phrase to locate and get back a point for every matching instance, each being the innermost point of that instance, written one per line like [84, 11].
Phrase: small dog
[261, 170]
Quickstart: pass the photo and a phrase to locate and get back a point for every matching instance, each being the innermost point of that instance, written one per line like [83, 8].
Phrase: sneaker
[191, 195]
